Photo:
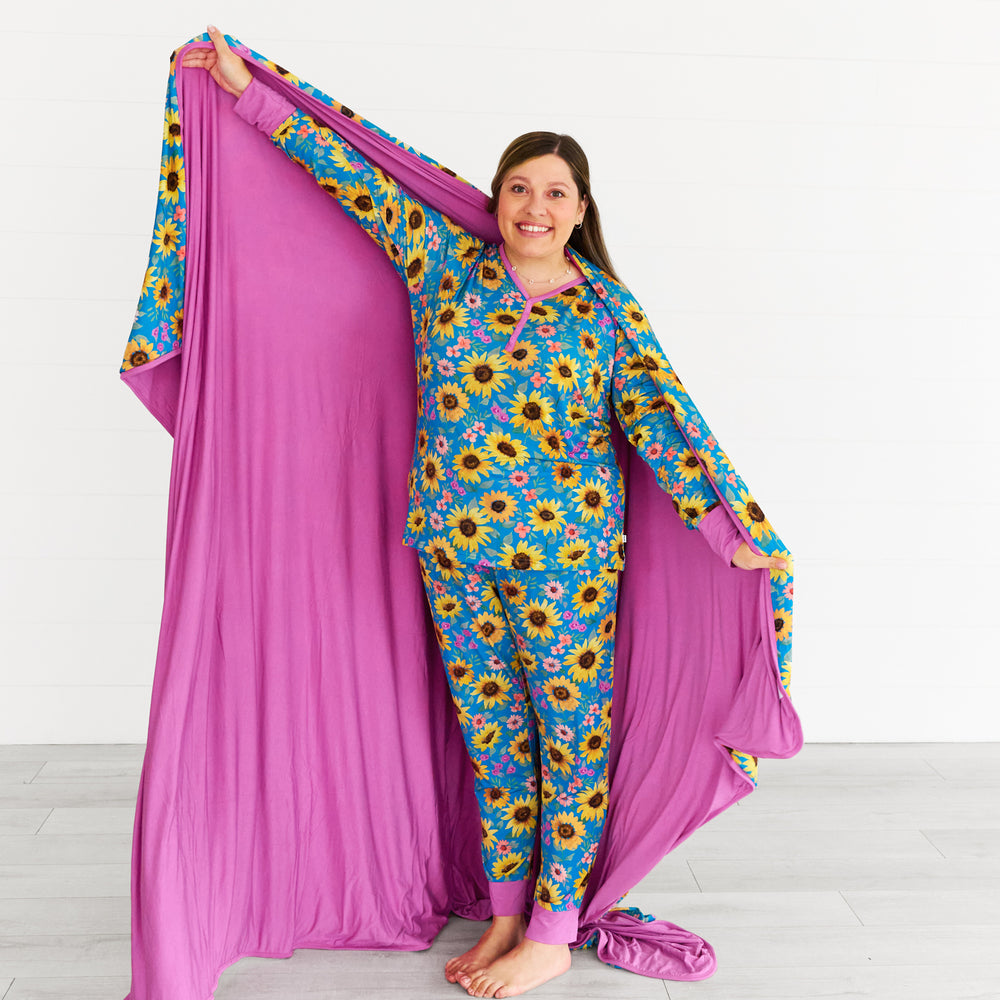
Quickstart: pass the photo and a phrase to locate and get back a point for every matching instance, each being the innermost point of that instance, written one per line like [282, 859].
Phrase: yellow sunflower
[416, 521]
[442, 554]
[631, 407]
[496, 796]
[559, 756]
[461, 673]
[448, 317]
[172, 179]
[573, 554]
[498, 505]
[596, 382]
[166, 236]
[415, 221]
[521, 814]
[541, 313]
[562, 693]
[608, 625]
[416, 267]
[566, 474]
[503, 868]
[588, 343]
[522, 556]
[482, 373]
[471, 464]
[593, 745]
[514, 591]
[139, 351]
[749, 511]
[501, 321]
[466, 248]
[506, 449]
[448, 284]
[539, 618]
[489, 628]
[389, 214]
[547, 894]
[489, 834]
[592, 500]
[452, 401]
[468, 528]
[523, 355]
[487, 737]
[431, 475]
[553, 444]
[563, 372]
[567, 830]
[580, 885]
[492, 689]
[593, 801]
[690, 507]
[447, 606]
[589, 596]
[548, 792]
[520, 747]
[585, 660]
[531, 411]
[491, 275]
[360, 201]
[547, 516]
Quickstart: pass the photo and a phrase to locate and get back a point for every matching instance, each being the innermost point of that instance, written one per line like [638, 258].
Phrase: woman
[518, 368]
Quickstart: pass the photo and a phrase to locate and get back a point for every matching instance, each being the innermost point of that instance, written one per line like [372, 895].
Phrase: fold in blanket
[305, 782]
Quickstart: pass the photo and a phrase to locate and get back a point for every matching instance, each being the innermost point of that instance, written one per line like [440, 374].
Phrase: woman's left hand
[746, 559]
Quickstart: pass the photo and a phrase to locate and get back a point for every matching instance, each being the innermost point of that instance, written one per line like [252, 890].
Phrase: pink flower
[519, 478]
[522, 529]
[478, 721]
[530, 495]
[553, 589]
[654, 450]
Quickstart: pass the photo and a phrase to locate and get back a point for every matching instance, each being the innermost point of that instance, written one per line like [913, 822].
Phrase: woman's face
[538, 206]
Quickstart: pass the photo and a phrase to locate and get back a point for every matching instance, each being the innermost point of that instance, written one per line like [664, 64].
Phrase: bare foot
[502, 935]
[529, 964]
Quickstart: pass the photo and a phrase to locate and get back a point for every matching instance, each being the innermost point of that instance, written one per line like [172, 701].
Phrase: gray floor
[854, 871]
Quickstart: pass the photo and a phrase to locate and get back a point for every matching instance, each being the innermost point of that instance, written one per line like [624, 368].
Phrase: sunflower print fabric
[529, 658]
[157, 334]
[513, 464]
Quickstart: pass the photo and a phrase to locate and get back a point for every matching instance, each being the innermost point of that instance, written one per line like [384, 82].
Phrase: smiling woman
[542, 418]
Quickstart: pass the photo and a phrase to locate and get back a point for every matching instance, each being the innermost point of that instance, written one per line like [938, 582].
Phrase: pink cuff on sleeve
[722, 535]
[262, 106]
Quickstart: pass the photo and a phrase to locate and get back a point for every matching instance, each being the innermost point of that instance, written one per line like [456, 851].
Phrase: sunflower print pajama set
[516, 507]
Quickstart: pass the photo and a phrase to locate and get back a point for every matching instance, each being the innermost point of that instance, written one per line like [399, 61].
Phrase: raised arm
[418, 239]
[649, 425]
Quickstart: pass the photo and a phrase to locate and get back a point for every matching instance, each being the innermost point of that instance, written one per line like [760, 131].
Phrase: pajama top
[513, 463]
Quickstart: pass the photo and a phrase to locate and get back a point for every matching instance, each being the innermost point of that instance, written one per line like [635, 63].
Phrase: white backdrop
[803, 196]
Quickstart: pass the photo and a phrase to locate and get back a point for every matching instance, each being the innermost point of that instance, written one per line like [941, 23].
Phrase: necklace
[549, 281]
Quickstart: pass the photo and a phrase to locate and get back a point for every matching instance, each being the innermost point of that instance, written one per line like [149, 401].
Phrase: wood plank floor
[855, 870]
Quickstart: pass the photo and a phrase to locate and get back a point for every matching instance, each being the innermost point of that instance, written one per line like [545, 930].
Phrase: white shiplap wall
[805, 197]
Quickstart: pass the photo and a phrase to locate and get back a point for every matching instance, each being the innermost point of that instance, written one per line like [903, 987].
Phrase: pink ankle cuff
[553, 926]
[508, 897]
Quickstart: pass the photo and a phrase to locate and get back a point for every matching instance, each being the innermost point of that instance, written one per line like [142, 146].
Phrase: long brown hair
[588, 240]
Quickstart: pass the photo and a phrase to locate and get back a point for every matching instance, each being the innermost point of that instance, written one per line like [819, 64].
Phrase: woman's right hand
[228, 70]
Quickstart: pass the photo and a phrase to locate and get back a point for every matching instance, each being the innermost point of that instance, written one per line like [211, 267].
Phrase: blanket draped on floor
[305, 783]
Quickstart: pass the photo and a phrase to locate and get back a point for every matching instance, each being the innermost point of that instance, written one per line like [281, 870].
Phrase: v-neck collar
[529, 298]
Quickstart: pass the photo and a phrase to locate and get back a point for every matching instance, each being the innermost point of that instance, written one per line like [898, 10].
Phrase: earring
[579, 225]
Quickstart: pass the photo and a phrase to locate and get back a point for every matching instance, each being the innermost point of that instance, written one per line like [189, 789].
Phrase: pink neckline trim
[549, 291]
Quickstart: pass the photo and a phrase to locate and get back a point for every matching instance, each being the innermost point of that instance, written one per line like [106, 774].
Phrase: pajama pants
[530, 662]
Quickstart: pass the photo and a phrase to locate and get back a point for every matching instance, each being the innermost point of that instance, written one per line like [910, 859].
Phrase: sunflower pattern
[157, 329]
[513, 464]
[529, 657]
